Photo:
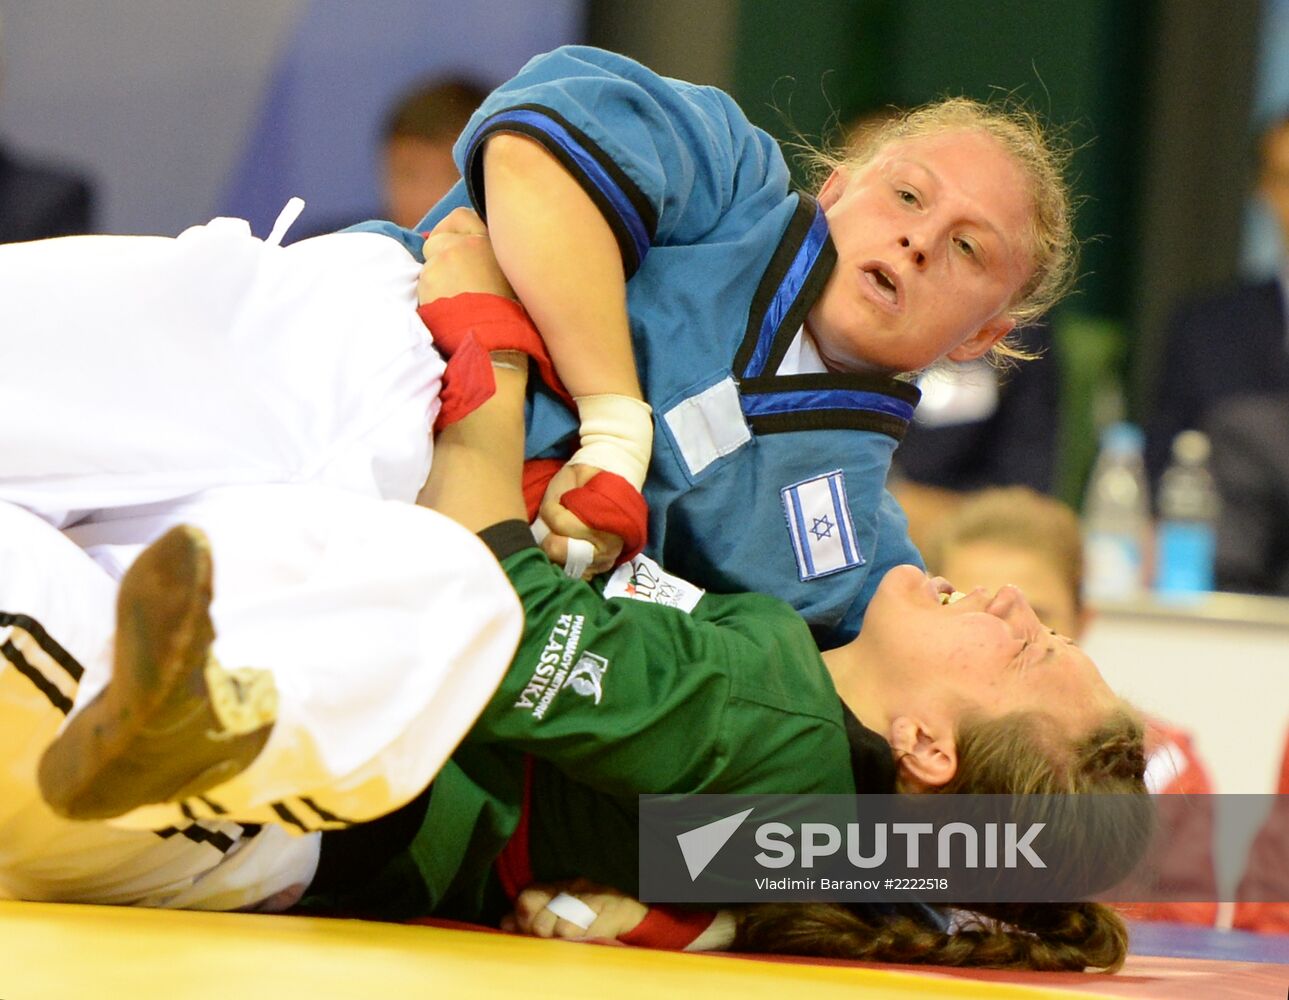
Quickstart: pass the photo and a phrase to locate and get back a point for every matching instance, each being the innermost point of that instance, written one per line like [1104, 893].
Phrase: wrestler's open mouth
[884, 282]
[940, 588]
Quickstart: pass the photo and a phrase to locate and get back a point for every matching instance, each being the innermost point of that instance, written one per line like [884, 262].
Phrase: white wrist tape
[579, 556]
[573, 910]
[617, 435]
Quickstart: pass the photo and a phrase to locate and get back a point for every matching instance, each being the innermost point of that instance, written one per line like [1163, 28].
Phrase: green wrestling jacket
[607, 699]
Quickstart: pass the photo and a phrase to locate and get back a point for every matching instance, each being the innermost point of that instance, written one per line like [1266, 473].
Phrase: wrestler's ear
[833, 187]
[926, 755]
[983, 340]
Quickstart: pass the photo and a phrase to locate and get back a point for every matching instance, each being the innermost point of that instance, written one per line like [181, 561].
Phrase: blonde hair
[1015, 754]
[1019, 518]
[1042, 157]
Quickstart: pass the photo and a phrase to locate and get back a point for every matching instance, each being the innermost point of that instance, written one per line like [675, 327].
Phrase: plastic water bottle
[1116, 517]
[1188, 509]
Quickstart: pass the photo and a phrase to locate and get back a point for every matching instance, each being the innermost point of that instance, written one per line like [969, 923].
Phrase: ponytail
[1048, 937]
[1020, 753]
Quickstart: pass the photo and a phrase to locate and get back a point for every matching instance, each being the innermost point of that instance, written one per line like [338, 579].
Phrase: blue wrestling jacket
[759, 480]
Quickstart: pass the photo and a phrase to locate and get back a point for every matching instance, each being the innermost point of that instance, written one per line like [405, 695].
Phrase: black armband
[505, 538]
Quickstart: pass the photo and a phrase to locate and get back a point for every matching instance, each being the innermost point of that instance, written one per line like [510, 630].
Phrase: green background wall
[1074, 62]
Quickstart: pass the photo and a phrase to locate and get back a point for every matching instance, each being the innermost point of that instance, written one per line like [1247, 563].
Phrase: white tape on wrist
[579, 557]
[617, 435]
[573, 910]
[581, 554]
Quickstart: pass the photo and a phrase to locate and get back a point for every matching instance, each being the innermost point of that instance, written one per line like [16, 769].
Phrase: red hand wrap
[610, 503]
[665, 927]
[538, 473]
[467, 382]
[607, 503]
[497, 323]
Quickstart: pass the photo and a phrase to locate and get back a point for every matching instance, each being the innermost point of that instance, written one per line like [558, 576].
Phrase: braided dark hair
[1020, 753]
[1047, 937]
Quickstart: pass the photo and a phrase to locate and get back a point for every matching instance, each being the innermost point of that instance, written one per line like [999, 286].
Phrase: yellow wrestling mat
[58, 952]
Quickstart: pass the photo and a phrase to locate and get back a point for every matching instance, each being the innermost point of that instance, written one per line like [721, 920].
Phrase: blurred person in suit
[979, 426]
[1233, 342]
[37, 199]
[1250, 466]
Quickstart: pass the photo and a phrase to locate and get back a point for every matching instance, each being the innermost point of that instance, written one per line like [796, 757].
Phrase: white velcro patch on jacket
[709, 425]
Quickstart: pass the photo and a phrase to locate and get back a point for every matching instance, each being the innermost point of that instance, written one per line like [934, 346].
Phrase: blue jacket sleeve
[661, 159]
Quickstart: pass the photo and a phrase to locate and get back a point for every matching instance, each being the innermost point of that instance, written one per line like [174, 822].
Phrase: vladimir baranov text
[851, 884]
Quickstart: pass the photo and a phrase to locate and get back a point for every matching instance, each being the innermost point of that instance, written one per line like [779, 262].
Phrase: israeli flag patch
[819, 524]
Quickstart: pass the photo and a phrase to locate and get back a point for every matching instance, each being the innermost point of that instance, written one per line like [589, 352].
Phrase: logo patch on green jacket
[552, 666]
[587, 678]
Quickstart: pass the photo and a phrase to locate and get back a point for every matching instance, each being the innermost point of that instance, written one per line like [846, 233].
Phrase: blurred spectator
[1232, 343]
[416, 155]
[419, 134]
[39, 200]
[1018, 536]
[1263, 894]
[1250, 465]
[979, 426]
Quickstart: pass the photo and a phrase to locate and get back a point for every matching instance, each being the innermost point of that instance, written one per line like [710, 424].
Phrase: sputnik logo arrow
[700, 845]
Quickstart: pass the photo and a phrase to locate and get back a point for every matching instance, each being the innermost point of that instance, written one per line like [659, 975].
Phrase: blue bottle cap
[1123, 437]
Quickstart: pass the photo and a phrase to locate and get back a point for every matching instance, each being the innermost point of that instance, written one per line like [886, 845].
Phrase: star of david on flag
[819, 524]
